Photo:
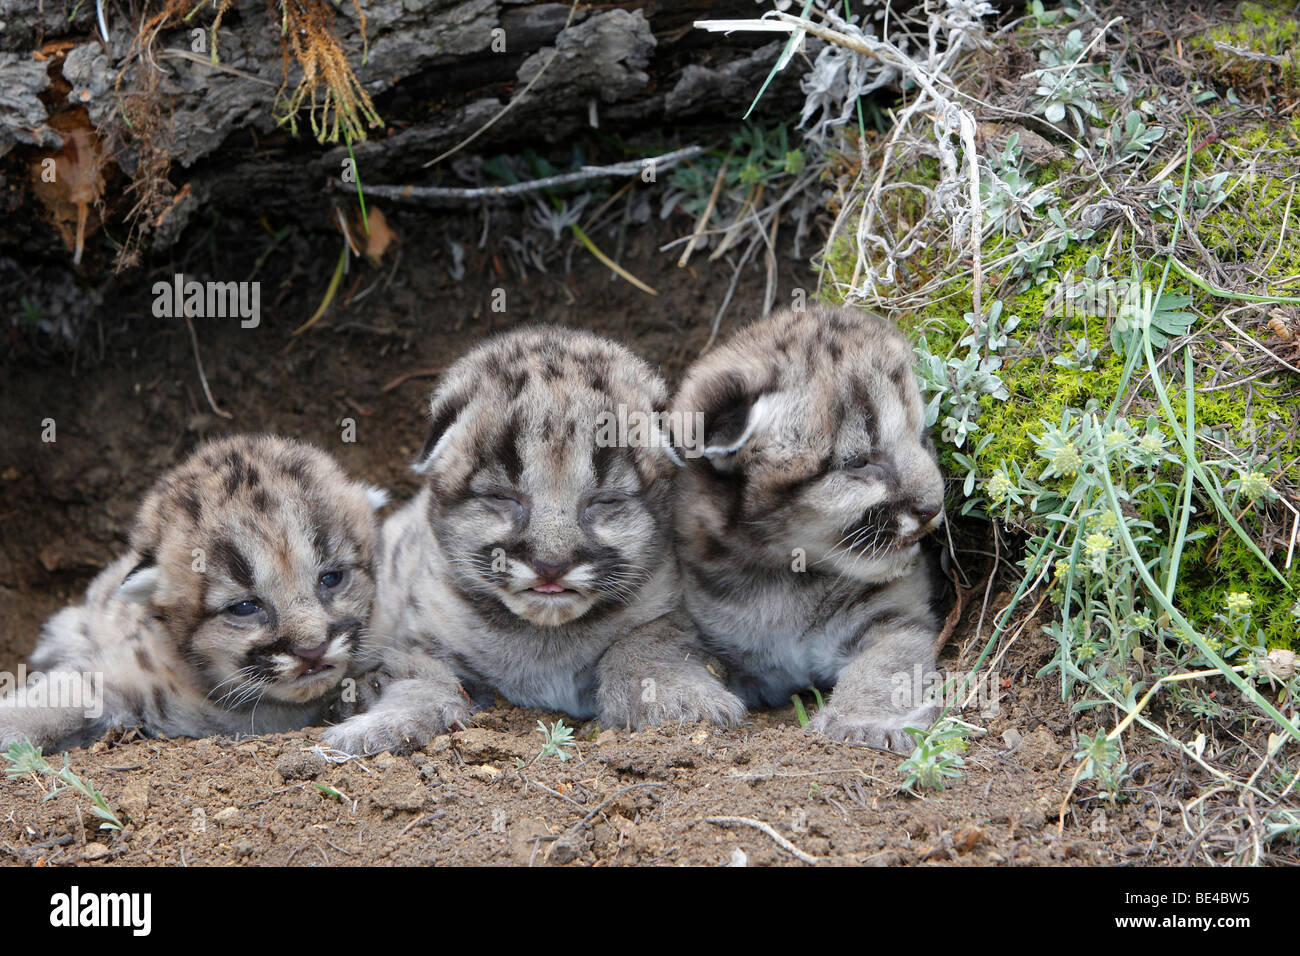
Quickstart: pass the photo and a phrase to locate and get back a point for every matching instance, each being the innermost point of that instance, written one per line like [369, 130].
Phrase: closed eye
[505, 504]
[864, 468]
[604, 501]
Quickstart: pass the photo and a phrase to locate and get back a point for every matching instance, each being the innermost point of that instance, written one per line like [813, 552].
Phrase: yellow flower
[1238, 602]
[998, 487]
[1067, 460]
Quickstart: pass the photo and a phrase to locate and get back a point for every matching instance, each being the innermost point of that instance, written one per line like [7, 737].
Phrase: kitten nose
[311, 655]
[552, 572]
[924, 514]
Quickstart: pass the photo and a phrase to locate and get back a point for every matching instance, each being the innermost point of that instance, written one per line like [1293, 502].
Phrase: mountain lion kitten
[799, 516]
[239, 608]
[535, 563]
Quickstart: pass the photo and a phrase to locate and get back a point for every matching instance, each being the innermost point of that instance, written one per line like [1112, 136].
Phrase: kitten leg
[653, 675]
[873, 698]
[52, 711]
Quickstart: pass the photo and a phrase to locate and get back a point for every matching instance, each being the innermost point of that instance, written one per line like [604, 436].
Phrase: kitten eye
[244, 608]
[862, 467]
[332, 579]
[603, 502]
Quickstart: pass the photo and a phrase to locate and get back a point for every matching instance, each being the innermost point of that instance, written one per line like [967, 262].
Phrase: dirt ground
[131, 404]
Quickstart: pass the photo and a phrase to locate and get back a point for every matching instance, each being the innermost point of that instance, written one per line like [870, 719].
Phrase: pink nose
[310, 654]
[551, 572]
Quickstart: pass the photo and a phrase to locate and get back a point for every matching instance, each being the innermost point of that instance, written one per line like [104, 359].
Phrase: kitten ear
[376, 497]
[732, 417]
[443, 412]
[141, 583]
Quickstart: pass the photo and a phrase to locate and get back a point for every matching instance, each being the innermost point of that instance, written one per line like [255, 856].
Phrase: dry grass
[327, 88]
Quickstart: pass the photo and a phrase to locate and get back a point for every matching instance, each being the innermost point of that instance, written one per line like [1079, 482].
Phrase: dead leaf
[968, 838]
[380, 236]
[78, 179]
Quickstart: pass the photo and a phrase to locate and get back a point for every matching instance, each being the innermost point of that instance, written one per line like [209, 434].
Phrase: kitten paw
[397, 729]
[684, 699]
[883, 729]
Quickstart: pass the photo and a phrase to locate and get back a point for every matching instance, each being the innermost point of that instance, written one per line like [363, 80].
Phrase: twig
[610, 799]
[414, 373]
[762, 827]
[573, 8]
[207, 61]
[474, 193]
[203, 379]
[703, 221]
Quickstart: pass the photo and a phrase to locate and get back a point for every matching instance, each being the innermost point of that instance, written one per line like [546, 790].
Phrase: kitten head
[257, 554]
[811, 441]
[546, 509]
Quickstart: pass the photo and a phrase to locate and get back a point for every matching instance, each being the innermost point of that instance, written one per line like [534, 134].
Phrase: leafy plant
[554, 740]
[1008, 197]
[937, 757]
[24, 758]
[1137, 136]
[1101, 762]
[1068, 87]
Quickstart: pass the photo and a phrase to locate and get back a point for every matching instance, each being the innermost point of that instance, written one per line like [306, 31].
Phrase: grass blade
[1176, 618]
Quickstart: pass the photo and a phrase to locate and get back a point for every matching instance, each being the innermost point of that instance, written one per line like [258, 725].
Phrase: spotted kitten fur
[799, 518]
[239, 608]
[535, 564]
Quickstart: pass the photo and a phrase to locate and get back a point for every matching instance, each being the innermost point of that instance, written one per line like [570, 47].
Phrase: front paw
[396, 729]
[685, 699]
[883, 729]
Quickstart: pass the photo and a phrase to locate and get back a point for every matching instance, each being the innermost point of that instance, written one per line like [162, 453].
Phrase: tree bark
[438, 70]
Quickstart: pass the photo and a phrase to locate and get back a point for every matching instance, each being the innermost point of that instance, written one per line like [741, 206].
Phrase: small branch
[573, 8]
[762, 827]
[470, 194]
[203, 379]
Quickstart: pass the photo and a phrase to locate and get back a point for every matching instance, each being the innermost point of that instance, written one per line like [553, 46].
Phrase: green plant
[554, 740]
[1009, 198]
[1137, 137]
[24, 758]
[937, 757]
[1067, 86]
[800, 712]
[1102, 763]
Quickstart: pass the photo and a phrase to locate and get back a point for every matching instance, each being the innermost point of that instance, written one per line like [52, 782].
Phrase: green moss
[1244, 228]
[1220, 563]
[1264, 28]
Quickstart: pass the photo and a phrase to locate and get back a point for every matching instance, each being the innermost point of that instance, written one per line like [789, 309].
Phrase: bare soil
[131, 405]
